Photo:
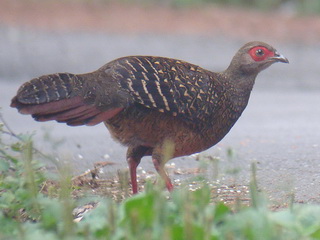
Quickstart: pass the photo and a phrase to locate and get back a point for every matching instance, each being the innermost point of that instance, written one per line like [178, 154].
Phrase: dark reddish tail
[58, 97]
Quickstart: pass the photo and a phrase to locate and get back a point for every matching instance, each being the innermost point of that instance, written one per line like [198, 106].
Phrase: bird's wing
[168, 85]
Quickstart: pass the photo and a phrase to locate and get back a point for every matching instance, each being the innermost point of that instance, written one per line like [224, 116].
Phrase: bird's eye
[259, 52]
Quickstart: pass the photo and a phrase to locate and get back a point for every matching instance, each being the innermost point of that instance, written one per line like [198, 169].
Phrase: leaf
[284, 218]
[177, 232]
[4, 165]
[316, 234]
[139, 212]
[221, 210]
[17, 147]
[201, 197]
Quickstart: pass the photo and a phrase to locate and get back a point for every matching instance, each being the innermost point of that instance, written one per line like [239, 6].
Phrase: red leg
[133, 164]
[160, 169]
[134, 155]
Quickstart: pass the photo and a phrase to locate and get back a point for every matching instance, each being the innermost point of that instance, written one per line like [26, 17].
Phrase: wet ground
[279, 130]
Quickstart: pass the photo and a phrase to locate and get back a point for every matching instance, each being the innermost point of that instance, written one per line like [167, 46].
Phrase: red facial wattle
[260, 53]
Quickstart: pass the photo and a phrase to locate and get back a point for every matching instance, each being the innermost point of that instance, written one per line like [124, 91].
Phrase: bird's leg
[159, 166]
[134, 155]
[133, 164]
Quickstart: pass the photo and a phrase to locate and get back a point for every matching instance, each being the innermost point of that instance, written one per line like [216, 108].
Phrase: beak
[279, 58]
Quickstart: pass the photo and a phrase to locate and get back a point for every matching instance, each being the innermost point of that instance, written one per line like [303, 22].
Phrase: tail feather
[103, 116]
[64, 115]
[48, 88]
[92, 118]
[82, 117]
[47, 108]
[57, 97]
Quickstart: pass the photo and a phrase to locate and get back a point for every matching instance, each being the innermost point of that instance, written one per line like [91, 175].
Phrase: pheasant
[147, 102]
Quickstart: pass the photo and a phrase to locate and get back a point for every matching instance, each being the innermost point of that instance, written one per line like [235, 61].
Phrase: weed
[27, 213]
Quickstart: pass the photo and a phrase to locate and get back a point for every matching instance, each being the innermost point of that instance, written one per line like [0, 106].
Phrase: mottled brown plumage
[147, 102]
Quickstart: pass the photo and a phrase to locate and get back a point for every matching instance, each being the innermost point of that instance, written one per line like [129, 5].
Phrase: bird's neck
[239, 82]
[242, 79]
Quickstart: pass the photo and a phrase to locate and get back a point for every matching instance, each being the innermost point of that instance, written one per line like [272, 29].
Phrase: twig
[10, 132]
[94, 172]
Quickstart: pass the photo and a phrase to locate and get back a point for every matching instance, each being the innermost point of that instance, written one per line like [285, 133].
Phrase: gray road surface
[279, 129]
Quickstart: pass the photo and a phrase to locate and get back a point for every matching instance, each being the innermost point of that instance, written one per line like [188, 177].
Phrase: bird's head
[254, 57]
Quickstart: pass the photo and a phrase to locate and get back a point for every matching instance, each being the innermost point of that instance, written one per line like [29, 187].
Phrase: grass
[28, 212]
[304, 7]
[297, 6]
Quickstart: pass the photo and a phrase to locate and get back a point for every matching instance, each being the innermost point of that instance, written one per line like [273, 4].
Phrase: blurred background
[280, 127]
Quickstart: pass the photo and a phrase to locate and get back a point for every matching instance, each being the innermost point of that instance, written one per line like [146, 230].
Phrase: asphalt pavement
[280, 129]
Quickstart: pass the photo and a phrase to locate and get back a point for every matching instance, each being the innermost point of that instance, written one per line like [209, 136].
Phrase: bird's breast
[150, 128]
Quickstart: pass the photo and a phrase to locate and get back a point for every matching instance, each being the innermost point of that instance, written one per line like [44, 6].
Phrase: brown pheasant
[146, 102]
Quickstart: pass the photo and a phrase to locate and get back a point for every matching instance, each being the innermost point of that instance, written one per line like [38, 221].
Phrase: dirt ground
[49, 36]
[94, 16]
